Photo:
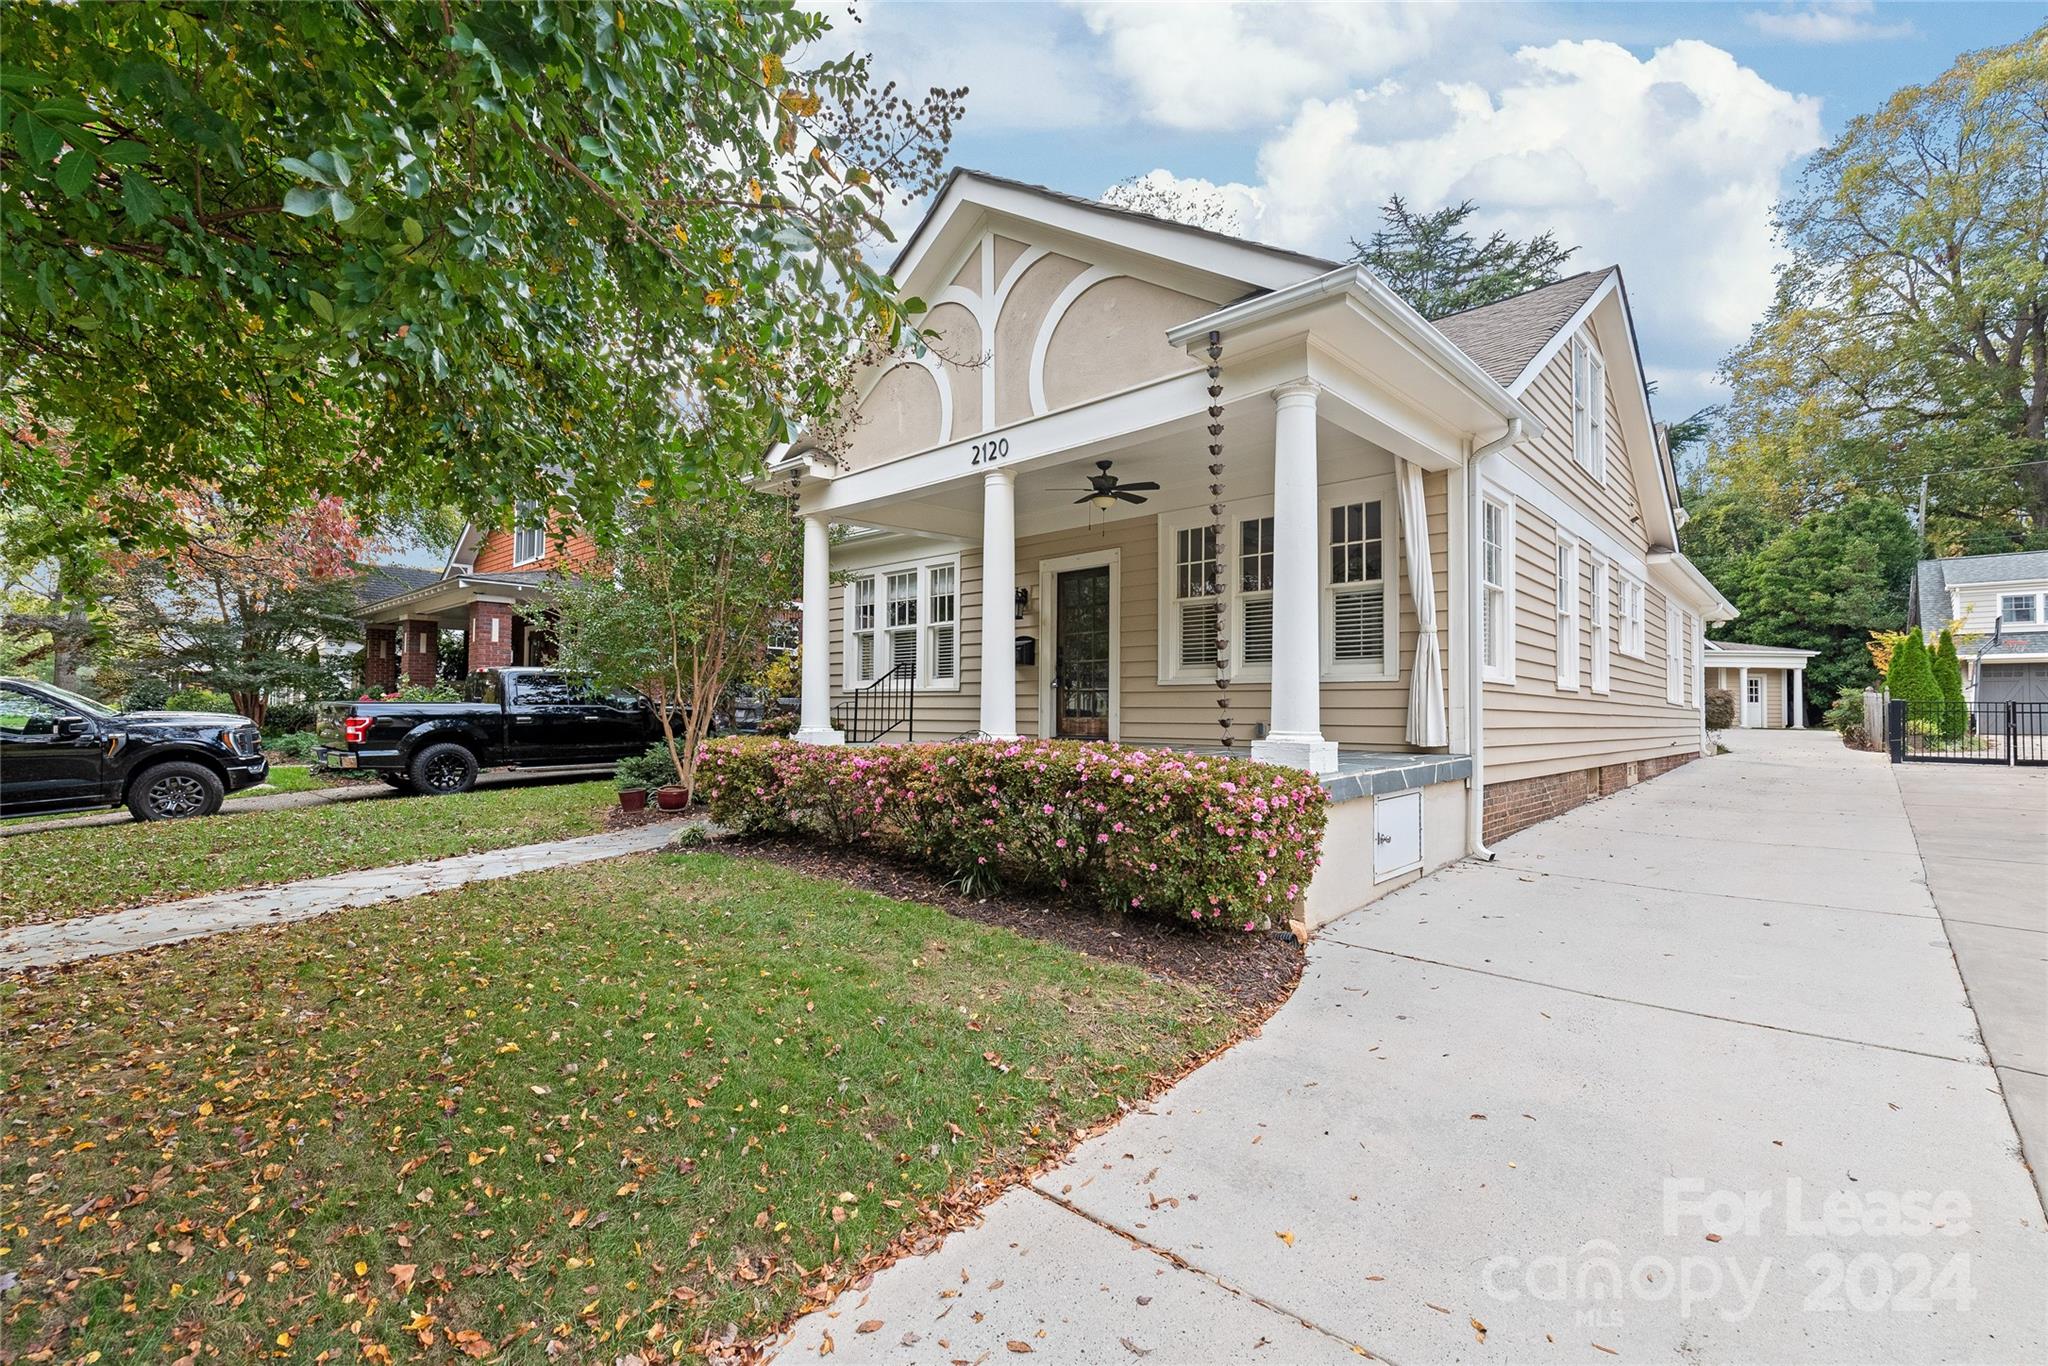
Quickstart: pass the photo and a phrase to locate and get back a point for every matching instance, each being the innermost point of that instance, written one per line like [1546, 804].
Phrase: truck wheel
[442, 770]
[401, 781]
[174, 791]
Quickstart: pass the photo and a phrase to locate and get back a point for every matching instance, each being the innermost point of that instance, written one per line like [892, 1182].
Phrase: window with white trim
[1194, 599]
[1603, 573]
[1496, 589]
[529, 533]
[907, 617]
[1254, 606]
[1674, 656]
[942, 602]
[1355, 591]
[862, 627]
[2015, 609]
[1589, 408]
[1567, 612]
[1633, 636]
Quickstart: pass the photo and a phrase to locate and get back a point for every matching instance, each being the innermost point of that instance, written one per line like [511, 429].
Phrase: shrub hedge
[1216, 842]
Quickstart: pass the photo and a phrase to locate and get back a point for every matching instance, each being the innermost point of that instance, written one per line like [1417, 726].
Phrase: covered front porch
[451, 628]
[1099, 572]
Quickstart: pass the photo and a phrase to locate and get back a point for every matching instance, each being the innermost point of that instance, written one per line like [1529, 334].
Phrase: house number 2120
[988, 452]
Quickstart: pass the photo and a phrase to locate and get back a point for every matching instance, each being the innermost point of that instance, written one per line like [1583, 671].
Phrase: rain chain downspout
[1217, 532]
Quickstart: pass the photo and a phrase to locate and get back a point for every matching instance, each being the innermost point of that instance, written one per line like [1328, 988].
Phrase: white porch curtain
[1426, 681]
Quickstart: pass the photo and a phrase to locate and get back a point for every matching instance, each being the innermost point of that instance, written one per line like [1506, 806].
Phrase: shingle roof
[1714, 646]
[376, 582]
[1505, 336]
[1931, 581]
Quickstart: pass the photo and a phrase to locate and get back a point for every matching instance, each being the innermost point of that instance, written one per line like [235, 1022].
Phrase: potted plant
[671, 796]
[639, 772]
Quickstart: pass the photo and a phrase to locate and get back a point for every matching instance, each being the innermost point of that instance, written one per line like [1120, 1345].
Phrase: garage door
[2023, 683]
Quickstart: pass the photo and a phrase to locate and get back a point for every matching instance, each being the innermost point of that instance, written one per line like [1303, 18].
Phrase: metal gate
[1967, 732]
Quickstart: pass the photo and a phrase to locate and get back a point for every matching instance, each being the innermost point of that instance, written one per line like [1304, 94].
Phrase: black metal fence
[1967, 732]
[880, 708]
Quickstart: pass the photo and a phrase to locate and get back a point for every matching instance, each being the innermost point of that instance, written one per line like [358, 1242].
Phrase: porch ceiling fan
[1105, 490]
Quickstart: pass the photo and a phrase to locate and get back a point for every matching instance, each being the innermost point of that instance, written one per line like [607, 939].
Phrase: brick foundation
[380, 659]
[1524, 802]
[491, 635]
[420, 652]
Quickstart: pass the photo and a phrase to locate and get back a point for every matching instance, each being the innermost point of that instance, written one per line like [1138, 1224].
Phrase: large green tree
[1909, 332]
[1824, 585]
[1435, 263]
[416, 252]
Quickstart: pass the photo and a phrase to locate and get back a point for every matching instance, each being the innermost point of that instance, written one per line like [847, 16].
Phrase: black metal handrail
[1944, 732]
[880, 708]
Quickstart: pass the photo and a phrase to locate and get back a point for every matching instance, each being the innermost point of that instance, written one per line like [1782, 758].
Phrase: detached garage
[2022, 681]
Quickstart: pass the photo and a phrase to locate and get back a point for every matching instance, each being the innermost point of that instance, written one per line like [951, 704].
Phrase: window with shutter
[1356, 586]
[1194, 601]
[942, 612]
[900, 617]
[862, 627]
[1255, 591]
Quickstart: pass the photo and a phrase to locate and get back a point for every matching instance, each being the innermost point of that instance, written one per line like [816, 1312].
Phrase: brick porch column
[380, 658]
[490, 635]
[420, 652]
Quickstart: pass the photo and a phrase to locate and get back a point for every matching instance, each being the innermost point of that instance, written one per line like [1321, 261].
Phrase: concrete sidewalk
[1583, 1103]
[171, 922]
[1982, 832]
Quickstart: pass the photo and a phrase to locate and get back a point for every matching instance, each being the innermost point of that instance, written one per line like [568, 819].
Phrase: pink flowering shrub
[1217, 842]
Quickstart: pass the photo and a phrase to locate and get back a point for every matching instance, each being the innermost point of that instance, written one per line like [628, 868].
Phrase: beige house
[1442, 570]
[1768, 682]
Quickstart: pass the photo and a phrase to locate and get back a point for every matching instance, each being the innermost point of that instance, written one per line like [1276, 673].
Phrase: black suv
[63, 752]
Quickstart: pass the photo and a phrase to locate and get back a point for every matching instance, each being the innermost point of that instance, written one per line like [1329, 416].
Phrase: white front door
[1753, 704]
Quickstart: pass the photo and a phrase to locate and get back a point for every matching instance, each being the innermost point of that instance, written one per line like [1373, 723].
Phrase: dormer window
[529, 534]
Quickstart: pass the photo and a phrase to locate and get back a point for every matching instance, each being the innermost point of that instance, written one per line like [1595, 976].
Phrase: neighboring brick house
[490, 571]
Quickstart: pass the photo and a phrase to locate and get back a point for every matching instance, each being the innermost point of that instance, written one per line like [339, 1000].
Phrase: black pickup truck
[510, 718]
[63, 752]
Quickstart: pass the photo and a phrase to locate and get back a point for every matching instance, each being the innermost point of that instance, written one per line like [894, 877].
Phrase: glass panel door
[1080, 687]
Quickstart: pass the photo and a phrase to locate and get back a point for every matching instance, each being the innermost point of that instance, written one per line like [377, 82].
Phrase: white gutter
[1716, 607]
[1381, 302]
[1475, 643]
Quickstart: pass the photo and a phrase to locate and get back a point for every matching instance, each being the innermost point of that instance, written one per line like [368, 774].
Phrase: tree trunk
[71, 634]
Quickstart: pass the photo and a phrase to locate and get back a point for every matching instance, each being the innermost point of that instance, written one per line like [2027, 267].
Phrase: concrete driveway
[1983, 836]
[1686, 1075]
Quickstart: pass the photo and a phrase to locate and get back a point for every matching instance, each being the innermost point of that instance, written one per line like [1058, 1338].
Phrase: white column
[814, 724]
[999, 605]
[1799, 698]
[1296, 739]
[1742, 697]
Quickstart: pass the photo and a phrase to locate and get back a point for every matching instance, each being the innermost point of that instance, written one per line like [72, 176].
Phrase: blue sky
[1653, 135]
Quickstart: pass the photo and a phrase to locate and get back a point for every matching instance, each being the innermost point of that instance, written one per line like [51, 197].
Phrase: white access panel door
[1396, 834]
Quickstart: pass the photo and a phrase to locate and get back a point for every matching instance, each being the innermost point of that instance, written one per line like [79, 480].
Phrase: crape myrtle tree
[683, 606]
[425, 252]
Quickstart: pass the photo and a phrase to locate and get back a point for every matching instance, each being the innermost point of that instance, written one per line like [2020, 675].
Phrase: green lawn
[54, 874]
[622, 1106]
[286, 778]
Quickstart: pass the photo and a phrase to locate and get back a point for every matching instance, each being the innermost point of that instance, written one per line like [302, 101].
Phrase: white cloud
[1841, 21]
[1215, 66]
[1667, 165]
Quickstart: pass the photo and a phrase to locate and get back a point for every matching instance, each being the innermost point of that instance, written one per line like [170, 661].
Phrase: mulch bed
[1257, 970]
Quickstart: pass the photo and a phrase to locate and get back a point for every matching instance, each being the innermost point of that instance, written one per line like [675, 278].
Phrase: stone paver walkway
[1679, 1077]
[143, 927]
